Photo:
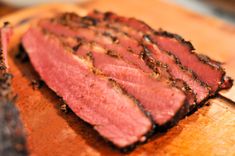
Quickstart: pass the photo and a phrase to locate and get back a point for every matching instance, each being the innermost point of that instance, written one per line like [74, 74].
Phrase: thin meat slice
[121, 45]
[94, 98]
[182, 49]
[200, 64]
[132, 27]
[227, 84]
[177, 71]
[91, 35]
[5, 33]
[151, 93]
[165, 103]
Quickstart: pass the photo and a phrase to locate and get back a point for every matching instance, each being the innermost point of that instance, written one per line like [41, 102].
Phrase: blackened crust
[118, 88]
[109, 16]
[149, 133]
[179, 115]
[12, 136]
[161, 32]
[184, 87]
[228, 83]
[110, 53]
[159, 67]
[204, 59]
[113, 17]
[114, 55]
[154, 64]
[183, 110]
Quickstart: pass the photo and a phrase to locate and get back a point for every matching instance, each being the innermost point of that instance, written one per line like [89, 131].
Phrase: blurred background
[223, 9]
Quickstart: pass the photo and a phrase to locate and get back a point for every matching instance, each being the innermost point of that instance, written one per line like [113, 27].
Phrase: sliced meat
[177, 70]
[91, 35]
[12, 137]
[228, 83]
[182, 49]
[6, 32]
[132, 27]
[121, 45]
[200, 64]
[94, 98]
[148, 89]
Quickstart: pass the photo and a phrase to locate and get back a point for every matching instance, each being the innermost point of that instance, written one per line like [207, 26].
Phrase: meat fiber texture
[200, 64]
[145, 87]
[130, 38]
[183, 50]
[116, 43]
[117, 76]
[138, 30]
[95, 94]
[93, 97]
[12, 138]
[127, 73]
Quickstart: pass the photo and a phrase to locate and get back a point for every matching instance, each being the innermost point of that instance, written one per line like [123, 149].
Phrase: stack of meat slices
[120, 75]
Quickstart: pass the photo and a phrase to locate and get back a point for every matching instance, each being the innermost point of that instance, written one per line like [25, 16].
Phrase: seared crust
[109, 17]
[72, 21]
[12, 136]
[179, 115]
[215, 65]
[155, 63]
[115, 86]
[163, 70]
[94, 23]
[178, 84]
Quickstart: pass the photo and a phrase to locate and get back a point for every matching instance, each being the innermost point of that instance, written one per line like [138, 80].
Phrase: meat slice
[177, 70]
[6, 32]
[227, 84]
[136, 29]
[12, 137]
[92, 35]
[182, 49]
[94, 98]
[120, 44]
[147, 88]
[200, 64]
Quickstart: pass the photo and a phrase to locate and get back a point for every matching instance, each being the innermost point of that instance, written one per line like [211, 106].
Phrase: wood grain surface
[50, 132]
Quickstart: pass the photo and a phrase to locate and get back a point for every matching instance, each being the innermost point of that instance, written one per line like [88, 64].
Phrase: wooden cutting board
[50, 132]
